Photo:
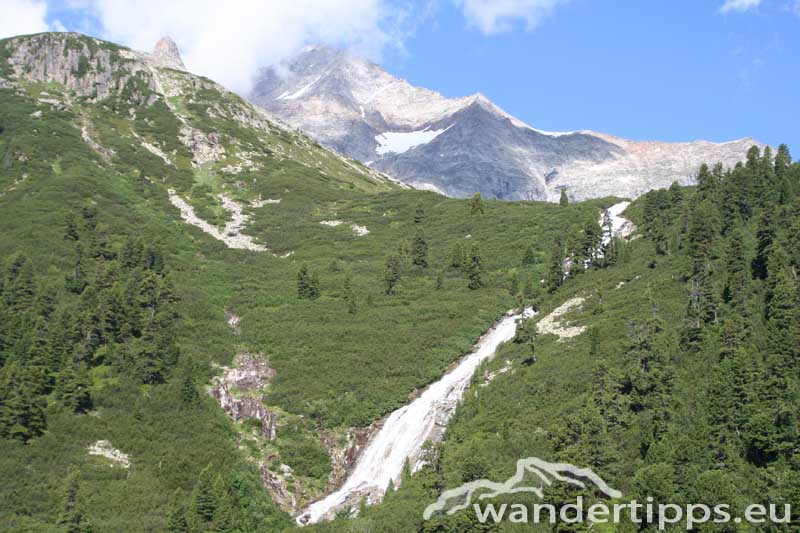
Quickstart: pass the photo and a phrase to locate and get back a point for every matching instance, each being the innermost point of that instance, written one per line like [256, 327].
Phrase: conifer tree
[440, 280]
[780, 309]
[71, 230]
[70, 518]
[513, 285]
[72, 388]
[704, 227]
[737, 274]
[555, 270]
[307, 284]
[419, 250]
[76, 280]
[592, 243]
[765, 235]
[457, 256]
[204, 498]
[476, 204]
[349, 296]
[419, 214]
[475, 268]
[528, 257]
[391, 274]
[563, 201]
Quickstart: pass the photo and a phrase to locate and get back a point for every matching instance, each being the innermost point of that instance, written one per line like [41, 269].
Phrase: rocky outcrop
[166, 54]
[88, 67]
[231, 234]
[103, 448]
[249, 375]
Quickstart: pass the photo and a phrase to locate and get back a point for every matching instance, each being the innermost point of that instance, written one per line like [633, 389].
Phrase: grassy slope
[396, 343]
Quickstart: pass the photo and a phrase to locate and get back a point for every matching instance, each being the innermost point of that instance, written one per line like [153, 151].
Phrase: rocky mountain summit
[458, 146]
[166, 54]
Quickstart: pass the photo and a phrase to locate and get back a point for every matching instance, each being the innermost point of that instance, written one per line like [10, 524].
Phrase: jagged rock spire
[166, 54]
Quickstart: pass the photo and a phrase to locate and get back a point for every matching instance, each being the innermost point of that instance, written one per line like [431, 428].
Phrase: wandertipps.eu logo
[532, 476]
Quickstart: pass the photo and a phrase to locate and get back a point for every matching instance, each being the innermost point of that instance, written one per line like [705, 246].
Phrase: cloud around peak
[22, 16]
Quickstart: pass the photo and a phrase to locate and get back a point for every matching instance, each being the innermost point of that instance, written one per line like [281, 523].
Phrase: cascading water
[405, 430]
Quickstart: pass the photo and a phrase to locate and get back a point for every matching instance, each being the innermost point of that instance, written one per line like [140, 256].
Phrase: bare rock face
[88, 67]
[459, 146]
[248, 377]
[166, 54]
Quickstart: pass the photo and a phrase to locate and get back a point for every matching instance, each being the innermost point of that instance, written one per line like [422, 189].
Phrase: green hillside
[682, 385]
[113, 307]
[680, 380]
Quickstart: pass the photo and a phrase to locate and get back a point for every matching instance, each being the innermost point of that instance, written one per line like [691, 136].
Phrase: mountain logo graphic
[545, 473]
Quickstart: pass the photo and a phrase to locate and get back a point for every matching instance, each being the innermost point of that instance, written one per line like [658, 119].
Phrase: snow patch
[398, 142]
[298, 93]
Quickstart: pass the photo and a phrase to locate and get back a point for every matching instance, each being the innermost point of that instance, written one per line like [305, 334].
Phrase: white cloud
[230, 41]
[493, 16]
[18, 17]
[740, 6]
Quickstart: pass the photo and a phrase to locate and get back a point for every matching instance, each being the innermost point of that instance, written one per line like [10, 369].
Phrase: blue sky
[669, 70]
[649, 70]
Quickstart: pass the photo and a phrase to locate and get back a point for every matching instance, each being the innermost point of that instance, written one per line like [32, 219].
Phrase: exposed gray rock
[458, 146]
[166, 54]
[86, 66]
[249, 375]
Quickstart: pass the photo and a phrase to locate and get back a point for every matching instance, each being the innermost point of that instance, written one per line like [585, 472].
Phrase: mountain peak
[166, 54]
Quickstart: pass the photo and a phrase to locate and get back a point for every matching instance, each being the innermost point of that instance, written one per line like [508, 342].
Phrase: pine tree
[737, 274]
[419, 250]
[555, 270]
[21, 414]
[71, 230]
[204, 498]
[307, 284]
[592, 243]
[765, 235]
[176, 520]
[457, 256]
[72, 388]
[704, 227]
[475, 269]
[419, 214]
[563, 201]
[707, 183]
[476, 204]
[391, 275]
[71, 517]
[529, 257]
[313, 286]
[513, 284]
[780, 308]
[349, 297]
[303, 282]
[783, 163]
[76, 281]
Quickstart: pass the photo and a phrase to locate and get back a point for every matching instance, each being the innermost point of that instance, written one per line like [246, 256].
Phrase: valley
[211, 322]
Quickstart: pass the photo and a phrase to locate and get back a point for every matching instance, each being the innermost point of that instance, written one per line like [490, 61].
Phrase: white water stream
[406, 429]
